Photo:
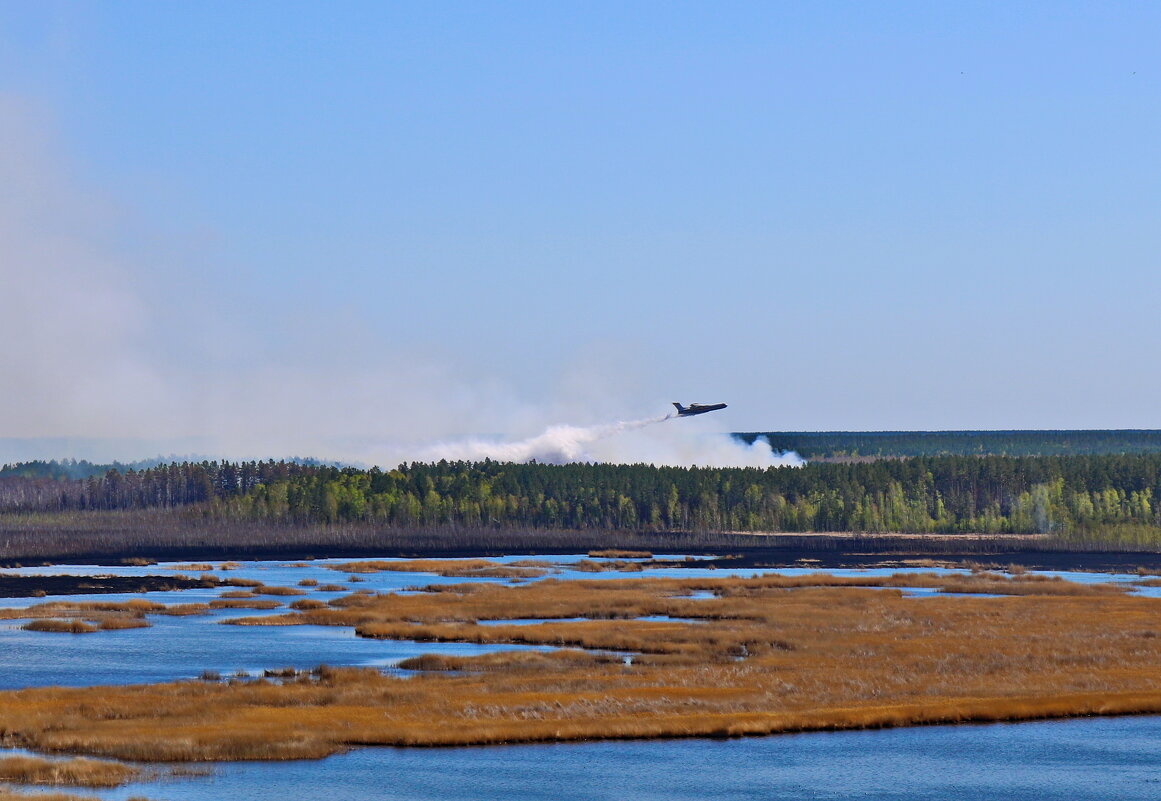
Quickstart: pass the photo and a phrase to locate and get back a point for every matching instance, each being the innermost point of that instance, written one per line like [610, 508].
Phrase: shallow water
[1101, 758]
[184, 647]
[1098, 759]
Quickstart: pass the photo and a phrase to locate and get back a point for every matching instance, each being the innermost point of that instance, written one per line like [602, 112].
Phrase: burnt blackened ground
[29, 586]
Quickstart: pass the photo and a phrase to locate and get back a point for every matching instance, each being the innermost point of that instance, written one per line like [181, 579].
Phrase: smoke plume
[107, 356]
[642, 441]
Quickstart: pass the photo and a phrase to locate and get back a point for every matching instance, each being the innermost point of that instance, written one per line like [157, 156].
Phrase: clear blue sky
[417, 220]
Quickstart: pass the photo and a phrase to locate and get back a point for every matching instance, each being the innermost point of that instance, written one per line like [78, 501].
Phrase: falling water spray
[558, 444]
[622, 442]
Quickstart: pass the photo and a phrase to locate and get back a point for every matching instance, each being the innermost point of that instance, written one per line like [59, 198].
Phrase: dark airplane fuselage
[697, 408]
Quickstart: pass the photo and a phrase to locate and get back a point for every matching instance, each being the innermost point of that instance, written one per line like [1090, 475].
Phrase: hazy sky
[305, 227]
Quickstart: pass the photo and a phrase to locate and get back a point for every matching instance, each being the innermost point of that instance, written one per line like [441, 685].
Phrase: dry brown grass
[241, 582]
[991, 583]
[308, 603]
[184, 610]
[925, 562]
[768, 654]
[507, 660]
[60, 626]
[617, 553]
[265, 590]
[83, 608]
[85, 617]
[119, 623]
[590, 566]
[196, 567]
[74, 772]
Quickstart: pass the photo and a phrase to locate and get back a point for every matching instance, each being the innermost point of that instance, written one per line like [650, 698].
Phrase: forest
[868, 445]
[1109, 498]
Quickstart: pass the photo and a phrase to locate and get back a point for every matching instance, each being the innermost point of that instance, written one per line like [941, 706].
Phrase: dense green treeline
[896, 444]
[1108, 498]
[1068, 497]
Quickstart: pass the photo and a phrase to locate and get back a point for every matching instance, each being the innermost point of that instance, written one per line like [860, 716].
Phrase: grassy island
[646, 657]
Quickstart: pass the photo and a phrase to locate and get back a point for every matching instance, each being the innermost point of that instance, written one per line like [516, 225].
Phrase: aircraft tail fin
[680, 408]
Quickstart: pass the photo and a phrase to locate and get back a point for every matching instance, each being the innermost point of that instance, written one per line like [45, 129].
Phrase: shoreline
[776, 551]
[785, 654]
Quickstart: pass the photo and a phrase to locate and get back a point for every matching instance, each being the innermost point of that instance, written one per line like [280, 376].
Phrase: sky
[363, 230]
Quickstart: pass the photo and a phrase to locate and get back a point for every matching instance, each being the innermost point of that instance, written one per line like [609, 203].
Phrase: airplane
[697, 408]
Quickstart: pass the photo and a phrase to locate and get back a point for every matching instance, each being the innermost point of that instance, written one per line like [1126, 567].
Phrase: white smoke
[623, 442]
[558, 444]
[682, 445]
[106, 355]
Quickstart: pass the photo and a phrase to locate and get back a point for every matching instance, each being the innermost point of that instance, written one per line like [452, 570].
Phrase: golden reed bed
[28, 770]
[762, 655]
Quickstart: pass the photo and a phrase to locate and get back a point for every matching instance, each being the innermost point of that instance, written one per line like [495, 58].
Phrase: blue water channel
[1100, 758]
[184, 647]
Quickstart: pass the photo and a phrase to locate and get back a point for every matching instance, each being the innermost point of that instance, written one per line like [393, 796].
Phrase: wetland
[311, 659]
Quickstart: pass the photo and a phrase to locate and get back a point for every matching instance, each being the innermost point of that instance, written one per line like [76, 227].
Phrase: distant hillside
[863, 445]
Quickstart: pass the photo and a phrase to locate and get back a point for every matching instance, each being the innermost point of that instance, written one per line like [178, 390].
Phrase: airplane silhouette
[697, 408]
